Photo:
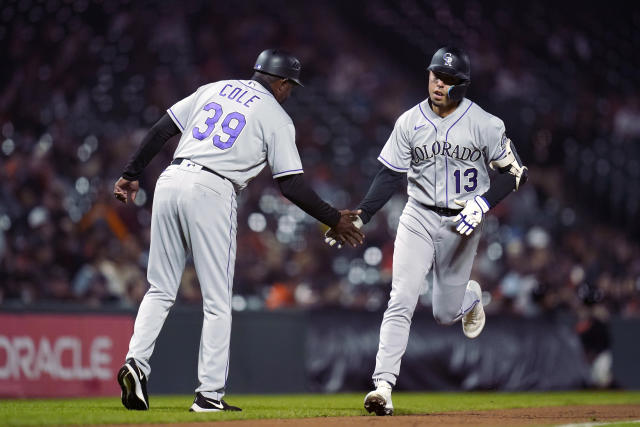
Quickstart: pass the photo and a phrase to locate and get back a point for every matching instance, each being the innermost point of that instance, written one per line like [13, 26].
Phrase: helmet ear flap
[457, 92]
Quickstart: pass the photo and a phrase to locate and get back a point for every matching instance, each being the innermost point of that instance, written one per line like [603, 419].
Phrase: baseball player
[446, 145]
[230, 130]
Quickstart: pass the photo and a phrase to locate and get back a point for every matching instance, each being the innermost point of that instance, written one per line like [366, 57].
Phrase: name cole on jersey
[237, 94]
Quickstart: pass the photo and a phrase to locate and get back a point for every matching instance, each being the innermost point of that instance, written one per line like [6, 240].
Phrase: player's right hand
[123, 188]
[347, 230]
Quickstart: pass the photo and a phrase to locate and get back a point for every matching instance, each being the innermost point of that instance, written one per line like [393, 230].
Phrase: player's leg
[167, 254]
[473, 319]
[454, 296]
[412, 259]
[212, 227]
[451, 303]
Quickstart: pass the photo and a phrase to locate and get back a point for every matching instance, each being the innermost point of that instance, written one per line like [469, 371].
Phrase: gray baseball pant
[427, 246]
[194, 211]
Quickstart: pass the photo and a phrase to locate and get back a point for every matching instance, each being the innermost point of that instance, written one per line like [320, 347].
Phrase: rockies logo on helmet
[448, 59]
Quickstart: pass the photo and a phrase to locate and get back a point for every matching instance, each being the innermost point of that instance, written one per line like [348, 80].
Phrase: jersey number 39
[232, 125]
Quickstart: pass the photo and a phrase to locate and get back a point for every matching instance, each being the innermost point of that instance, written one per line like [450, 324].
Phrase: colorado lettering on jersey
[237, 94]
[444, 148]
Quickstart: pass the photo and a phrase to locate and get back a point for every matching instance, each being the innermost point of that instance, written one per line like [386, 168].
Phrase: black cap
[279, 63]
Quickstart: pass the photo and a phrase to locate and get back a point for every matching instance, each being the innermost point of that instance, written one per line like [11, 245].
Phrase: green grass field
[167, 409]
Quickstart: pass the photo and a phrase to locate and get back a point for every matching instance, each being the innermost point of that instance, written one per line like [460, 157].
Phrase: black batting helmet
[279, 63]
[453, 62]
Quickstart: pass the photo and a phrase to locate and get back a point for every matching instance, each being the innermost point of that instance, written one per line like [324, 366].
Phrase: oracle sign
[60, 355]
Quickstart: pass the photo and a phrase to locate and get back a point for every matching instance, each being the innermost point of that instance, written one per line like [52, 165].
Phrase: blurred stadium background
[82, 80]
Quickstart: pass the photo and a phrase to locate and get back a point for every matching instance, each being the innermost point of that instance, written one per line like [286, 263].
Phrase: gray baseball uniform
[445, 159]
[230, 130]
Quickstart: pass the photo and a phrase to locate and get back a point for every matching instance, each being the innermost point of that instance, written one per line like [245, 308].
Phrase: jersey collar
[264, 83]
[462, 106]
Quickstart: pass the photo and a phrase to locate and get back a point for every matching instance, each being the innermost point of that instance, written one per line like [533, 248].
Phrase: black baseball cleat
[204, 404]
[133, 383]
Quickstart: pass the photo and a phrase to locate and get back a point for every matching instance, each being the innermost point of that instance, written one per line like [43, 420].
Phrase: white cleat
[473, 322]
[379, 400]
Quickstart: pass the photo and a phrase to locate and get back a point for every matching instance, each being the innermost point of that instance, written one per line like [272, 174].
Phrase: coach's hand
[123, 188]
[347, 230]
[471, 214]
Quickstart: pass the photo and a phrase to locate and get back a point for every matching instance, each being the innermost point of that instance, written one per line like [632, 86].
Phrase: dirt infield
[557, 415]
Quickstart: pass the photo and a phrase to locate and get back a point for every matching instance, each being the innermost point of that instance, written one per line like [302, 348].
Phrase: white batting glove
[332, 241]
[471, 214]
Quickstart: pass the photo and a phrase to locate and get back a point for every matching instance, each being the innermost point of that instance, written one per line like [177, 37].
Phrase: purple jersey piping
[446, 137]
[290, 170]
[392, 166]
[435, 160]
[446, 182]
[446, 164]
[174, 116]
[499, 155]
[425, 116]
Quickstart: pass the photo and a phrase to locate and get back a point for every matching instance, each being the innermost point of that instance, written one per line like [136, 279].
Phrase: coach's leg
[213, 226]
[167, 255]
[412, 259]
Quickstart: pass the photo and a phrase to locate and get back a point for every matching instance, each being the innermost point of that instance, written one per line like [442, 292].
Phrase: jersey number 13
[232, 125]
[471, 175]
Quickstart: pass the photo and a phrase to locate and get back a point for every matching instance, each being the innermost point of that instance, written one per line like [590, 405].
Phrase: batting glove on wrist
[330, 237]
[471, 214]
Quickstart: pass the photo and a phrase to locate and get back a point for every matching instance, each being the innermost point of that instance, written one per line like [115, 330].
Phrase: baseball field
[588, 408]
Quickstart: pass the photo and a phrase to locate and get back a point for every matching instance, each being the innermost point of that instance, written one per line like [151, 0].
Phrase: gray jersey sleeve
[494, 136]
[179, 112]
[282, 153]
[396, 153]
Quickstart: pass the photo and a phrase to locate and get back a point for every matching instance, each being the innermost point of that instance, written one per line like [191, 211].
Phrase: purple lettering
[239, 99]
[225, 86]
[250, 100]
[234, 93]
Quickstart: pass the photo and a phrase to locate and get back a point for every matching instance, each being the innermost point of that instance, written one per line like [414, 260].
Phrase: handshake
[347, 230]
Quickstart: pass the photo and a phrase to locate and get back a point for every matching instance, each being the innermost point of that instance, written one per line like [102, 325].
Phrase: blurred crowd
[83, 80]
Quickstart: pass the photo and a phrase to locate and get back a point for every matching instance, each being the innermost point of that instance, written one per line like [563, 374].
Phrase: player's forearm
[151, 144]
[294, 188]
[501, 186]
[382, 188]
[506, 181]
